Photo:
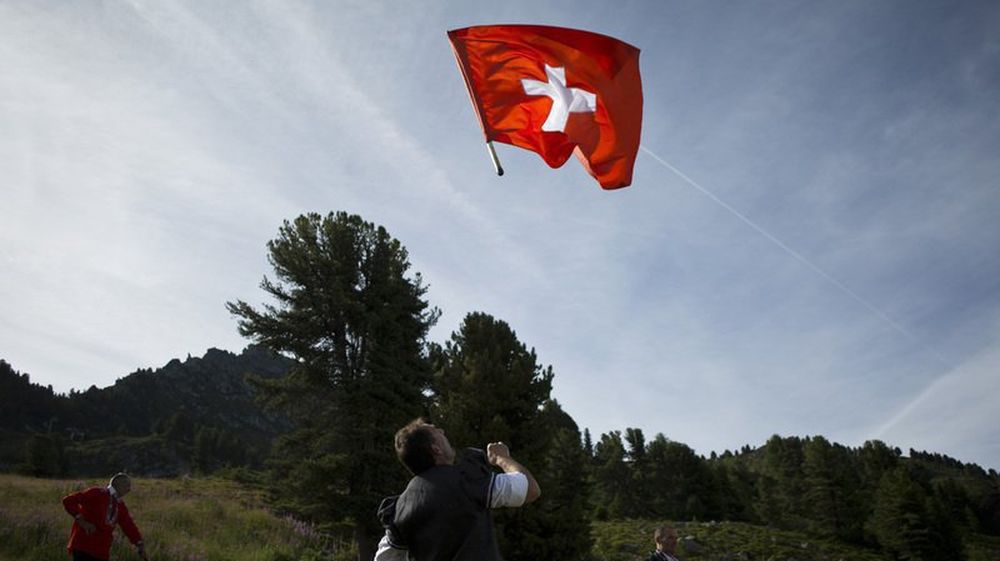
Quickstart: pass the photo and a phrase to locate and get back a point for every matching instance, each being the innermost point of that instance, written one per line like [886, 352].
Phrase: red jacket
[94, 505]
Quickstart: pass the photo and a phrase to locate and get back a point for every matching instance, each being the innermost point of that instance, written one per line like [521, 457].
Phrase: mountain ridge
[157, 414]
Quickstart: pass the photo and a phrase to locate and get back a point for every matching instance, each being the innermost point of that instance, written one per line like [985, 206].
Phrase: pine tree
[44, 456]
[831, 483]
[612, 477]
[559, 524]
[204, 453]
[685, 488]
[489, 387]
[735, 489]
[876, 458]
[640, 489]
[347, 311]
[781, 485]
[908, 524]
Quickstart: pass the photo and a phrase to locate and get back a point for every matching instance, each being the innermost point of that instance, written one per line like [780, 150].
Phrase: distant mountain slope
[209, 391]
[208, 395]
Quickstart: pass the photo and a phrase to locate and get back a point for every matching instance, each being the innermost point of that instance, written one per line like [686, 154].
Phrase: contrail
[796, 255]
[902, 411]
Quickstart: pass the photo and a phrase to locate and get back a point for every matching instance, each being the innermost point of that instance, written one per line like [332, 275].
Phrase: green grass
[196, 519]
[181, 520]
[631, 540]
[982, 548]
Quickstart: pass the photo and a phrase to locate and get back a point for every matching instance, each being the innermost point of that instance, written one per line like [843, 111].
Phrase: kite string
[902, 411]
[796, 255]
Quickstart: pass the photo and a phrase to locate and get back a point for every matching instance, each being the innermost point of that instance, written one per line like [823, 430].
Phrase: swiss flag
[556, 91]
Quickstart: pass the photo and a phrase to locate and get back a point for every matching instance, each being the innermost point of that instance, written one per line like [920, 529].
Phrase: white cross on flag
[565, 100]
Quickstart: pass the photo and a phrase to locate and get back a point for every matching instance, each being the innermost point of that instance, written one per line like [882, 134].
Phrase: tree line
[346, 328]
[346, 309]
[196, 415]
[914, 508]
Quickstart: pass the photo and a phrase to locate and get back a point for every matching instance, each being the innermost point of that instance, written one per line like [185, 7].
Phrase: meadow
[187, 519]
[211, 519]
[631, 540]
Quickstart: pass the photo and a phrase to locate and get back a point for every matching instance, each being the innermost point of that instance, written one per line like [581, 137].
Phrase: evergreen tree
[636, 444]
[203, 456]
[487, 387]
[612, 478]
[876, 459]
[736, 490]
[26, 404]
[639, 491]
[44, 456]
[831, 484]
[781, 485]
[559, 524]
[345, 309]
[685, 488]
[179, 428]
[987, 506]
[907, 524]
[954, 501]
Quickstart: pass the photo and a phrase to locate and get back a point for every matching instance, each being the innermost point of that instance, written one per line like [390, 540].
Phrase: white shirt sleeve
[508, 489]
[387, 552]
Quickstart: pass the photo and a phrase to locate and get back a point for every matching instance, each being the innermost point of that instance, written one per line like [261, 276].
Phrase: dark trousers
[81, 556]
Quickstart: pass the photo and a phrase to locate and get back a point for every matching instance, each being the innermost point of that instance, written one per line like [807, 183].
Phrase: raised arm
[499, 455]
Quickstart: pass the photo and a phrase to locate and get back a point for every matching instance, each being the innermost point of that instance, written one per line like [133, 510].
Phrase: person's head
[420, 445]
[666, 539]
[122, 484]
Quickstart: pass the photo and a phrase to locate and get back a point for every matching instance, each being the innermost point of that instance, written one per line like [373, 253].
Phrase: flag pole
[493, 154]
[461, 57]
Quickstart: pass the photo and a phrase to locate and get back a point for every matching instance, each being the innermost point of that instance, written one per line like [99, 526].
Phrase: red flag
[556, 91]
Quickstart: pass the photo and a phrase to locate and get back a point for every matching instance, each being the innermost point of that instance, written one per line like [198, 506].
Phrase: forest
[340, 359]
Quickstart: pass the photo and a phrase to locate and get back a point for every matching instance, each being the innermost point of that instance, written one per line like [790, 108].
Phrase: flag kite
[556, 91]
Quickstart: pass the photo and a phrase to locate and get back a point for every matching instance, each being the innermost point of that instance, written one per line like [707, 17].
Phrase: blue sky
[824, 263]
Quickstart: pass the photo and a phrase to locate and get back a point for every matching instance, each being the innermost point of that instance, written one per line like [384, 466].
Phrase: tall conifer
[489, 386]
[346, 309]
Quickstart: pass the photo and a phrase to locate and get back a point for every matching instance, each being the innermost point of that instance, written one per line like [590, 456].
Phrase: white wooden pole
[493, 155]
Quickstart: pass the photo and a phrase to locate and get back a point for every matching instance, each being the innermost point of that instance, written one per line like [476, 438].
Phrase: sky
[809, 245]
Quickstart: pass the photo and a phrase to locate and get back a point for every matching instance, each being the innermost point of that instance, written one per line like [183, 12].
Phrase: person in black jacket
[444, 512]
[665, 538]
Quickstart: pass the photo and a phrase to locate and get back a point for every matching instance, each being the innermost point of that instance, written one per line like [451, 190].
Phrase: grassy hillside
[181, 519]
[632, 540]
[218, 520]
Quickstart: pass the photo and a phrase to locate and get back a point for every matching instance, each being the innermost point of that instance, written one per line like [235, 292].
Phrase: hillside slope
[196, 412]
[181, 520]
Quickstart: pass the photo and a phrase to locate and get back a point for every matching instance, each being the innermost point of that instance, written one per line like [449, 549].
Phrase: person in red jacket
[95, 513]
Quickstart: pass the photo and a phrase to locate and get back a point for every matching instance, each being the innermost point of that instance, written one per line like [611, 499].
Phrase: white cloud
[152, 149]
[955, 414]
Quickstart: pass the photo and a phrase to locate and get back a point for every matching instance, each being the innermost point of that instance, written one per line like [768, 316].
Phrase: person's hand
[496, 452]
[88, 527]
